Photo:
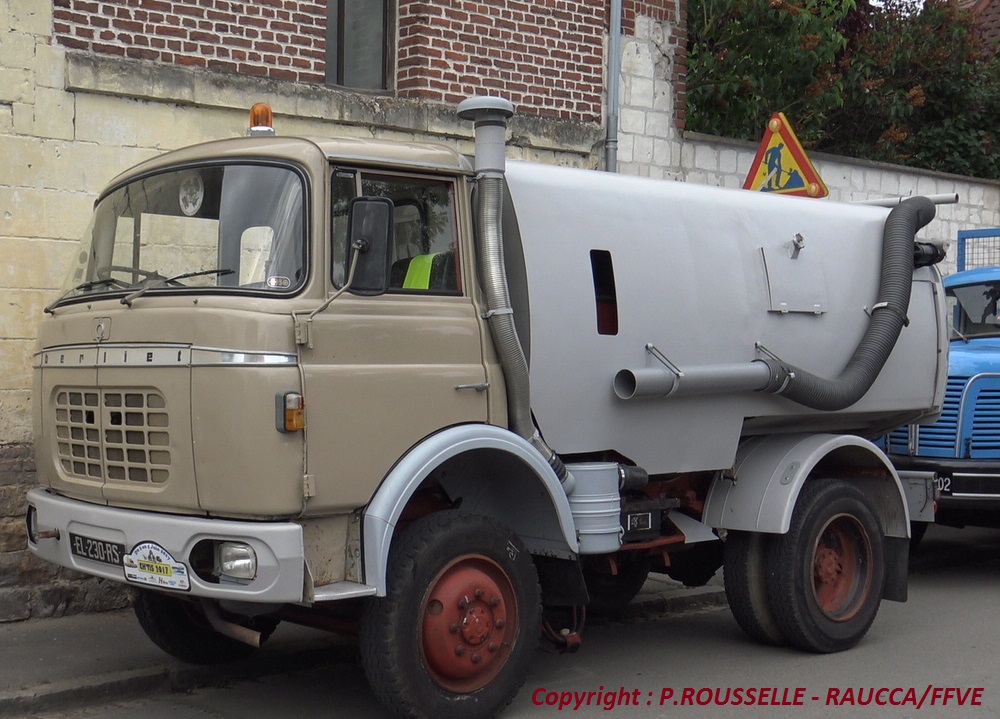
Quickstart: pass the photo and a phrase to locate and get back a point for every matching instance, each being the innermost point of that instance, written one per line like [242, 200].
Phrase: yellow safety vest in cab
[435, 271]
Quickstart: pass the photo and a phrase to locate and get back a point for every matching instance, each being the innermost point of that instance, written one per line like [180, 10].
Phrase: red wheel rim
[842, 568]
[468, 622]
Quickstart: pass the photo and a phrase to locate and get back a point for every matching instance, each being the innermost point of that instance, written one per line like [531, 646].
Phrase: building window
[357, 43]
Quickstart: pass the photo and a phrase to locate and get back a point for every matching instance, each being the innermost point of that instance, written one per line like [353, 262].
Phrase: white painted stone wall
[650, 145]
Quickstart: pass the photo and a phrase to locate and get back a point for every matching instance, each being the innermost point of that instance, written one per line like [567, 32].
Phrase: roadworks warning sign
[781, 165]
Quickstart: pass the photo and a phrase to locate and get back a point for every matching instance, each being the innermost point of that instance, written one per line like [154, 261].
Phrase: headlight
[237, 560]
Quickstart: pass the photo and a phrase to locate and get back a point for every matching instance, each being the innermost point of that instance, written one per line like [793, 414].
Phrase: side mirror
[369, 235]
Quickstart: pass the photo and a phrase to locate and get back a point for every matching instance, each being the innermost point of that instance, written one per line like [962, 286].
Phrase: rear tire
[746, 586]
[455, 634]
[826, 576]
[179, 627]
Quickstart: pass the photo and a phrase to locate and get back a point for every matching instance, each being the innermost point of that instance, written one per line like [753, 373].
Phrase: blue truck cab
[962, 447]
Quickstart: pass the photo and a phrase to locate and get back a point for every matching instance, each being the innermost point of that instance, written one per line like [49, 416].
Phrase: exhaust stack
[490, 115]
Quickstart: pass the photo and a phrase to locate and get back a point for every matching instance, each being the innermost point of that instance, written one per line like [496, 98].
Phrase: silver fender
[769, 473]
[383, 511]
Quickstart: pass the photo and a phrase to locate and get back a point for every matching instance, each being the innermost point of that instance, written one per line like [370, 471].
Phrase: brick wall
[547, 56]
[279, 39]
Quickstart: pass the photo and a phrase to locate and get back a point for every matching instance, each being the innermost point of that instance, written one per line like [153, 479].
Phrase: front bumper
[279, 547]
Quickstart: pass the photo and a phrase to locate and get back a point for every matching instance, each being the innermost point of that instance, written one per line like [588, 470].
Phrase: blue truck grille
[985, 432]
[938, 439]
[978, 437]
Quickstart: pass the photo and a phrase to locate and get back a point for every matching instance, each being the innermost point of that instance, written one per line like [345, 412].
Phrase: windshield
[973, 310]
[228, 228]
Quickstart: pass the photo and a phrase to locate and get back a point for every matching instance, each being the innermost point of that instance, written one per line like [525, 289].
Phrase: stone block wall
[28, 587]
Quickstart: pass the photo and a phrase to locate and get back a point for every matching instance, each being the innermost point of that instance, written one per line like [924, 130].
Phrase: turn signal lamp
[261, 120]
[290, 411]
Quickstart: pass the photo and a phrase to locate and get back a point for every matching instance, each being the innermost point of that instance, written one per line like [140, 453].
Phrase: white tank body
[704, 275]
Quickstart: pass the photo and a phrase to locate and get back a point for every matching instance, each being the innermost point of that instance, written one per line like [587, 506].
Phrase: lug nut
[462, 604]
[479, 593]
[476, 659]
[500, 624]
[495, 602]
[459, 651]
[493, 646]
[453, 628]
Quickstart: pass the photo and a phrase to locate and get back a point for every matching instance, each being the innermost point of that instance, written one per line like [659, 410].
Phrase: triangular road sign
[781, 164]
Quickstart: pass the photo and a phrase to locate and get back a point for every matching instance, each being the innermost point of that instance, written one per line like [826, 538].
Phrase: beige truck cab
[307, 379]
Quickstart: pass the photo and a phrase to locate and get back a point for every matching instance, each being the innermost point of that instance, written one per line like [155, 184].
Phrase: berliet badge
[102, 329]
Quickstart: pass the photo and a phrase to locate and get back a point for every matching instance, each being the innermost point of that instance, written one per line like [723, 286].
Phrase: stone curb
[127, 685]
[298, 656]
[691, 600]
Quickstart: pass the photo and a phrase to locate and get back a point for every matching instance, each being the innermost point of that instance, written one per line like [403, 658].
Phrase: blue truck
[962, 447]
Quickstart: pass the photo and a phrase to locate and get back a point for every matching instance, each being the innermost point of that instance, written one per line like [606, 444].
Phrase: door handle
[478, 386]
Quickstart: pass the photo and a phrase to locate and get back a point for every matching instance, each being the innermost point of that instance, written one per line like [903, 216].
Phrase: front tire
[826, 575]
[179, 627]
[455, 634]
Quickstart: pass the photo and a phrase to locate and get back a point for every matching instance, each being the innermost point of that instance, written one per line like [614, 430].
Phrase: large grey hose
[888, 318]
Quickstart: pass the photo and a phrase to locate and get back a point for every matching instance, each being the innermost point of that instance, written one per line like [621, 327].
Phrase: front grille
[986, 424]
[113, 435]
[938, 439]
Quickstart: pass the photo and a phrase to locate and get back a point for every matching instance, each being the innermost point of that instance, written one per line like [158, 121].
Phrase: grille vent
[113, 435]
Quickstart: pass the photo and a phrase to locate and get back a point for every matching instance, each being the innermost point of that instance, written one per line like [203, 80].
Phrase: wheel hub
[467, 623]
[828, 566]
[842, 568]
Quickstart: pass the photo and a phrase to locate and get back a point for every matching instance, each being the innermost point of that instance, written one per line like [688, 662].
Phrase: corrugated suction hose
[888, 317]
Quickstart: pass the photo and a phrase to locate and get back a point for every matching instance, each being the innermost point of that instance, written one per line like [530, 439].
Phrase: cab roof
[428, 156]
[973, 277]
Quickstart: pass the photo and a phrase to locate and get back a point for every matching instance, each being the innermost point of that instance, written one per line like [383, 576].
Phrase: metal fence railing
[978, 248]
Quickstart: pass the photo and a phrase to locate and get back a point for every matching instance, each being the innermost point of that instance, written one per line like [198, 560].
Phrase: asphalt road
[937, 650]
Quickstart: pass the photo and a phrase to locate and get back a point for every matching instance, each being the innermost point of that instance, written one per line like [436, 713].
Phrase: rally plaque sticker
[149, 563]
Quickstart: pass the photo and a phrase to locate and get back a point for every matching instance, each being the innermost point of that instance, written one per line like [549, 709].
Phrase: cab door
[385, 372]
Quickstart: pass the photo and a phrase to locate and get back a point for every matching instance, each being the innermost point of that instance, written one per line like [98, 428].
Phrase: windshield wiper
[132, 297]
[83, 286]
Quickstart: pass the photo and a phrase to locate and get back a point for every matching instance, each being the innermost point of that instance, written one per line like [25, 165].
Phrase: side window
[425, 251]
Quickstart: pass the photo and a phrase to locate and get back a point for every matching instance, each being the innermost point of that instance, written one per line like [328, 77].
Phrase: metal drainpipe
[490, 116]
[614, 73]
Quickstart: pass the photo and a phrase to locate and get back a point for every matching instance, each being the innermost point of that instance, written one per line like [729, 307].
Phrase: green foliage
[920, 91]
[896, 82]
[749, 58]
